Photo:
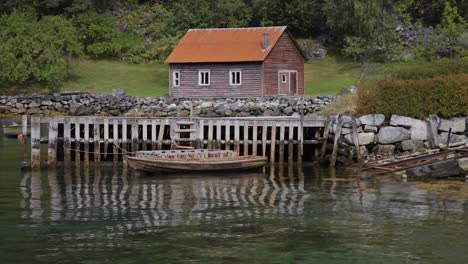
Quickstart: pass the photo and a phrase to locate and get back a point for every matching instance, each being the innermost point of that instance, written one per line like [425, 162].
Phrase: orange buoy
[21, 137]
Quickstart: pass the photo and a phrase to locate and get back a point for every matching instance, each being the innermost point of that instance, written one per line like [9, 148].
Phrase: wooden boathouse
[239, 62]
[85, 140]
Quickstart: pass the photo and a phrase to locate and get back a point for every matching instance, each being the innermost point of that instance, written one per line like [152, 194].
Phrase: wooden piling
[66, 143]
[264, 139]
[281, 146]
[161, 135]
[145, 135]
[86, 142]
[227, 135]
[291, 143]
[433, 131]
[106, 138]
[52, 144]
[124, 144]
[77, 142]
[35, 142]
[326, 133]
[335, 144]
[236, 137]
[218, 134]
[273, 143]
[254, 139]
[24, 126]
[134, 136]
[154, 139]
[201, 134]
[210, 134]
[97, 142]
[115, 142]
[246, 139]
[356, 141]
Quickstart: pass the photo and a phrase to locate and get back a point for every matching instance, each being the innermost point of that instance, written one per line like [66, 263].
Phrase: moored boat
[193, 161]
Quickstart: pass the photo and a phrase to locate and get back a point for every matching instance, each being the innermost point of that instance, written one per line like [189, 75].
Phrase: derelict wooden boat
[193, 161]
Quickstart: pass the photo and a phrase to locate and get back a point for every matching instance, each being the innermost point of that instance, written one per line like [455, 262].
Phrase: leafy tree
[35, 51]
[452, 27]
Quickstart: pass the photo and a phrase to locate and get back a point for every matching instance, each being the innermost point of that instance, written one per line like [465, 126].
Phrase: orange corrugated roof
[224, 45]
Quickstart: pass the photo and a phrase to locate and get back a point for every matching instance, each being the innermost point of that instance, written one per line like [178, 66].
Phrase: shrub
[35, 51]
[446, 96]
[420, 70]
[101, 36]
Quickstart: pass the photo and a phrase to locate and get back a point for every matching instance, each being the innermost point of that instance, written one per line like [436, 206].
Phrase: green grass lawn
[329, 76]
[324, 77]
[102, 76]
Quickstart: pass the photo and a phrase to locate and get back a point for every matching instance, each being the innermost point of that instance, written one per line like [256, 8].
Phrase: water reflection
[93, 195]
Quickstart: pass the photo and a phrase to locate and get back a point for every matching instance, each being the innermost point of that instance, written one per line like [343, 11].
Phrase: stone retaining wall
[381, 136]
[85, 104]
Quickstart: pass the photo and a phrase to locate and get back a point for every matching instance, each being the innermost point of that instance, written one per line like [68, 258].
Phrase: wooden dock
[96, 140]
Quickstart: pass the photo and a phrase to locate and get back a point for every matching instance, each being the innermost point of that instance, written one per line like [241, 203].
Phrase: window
[235, 77]
[176, 78]
[284, 79]
[204, 77]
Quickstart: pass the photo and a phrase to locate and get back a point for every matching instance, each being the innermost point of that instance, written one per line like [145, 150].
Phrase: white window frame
[231, 80]
[174, 84]
[200, 77]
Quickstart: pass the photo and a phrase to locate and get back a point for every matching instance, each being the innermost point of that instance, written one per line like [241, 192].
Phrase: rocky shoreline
[381, 136]
[121, 104]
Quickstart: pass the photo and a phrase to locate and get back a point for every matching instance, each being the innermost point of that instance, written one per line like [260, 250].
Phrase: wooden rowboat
[193, 161]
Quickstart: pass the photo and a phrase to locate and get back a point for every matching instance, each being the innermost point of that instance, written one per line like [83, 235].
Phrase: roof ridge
[236, 28]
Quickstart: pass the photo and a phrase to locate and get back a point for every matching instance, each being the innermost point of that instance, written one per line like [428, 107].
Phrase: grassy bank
[325, 77]
[102, 76]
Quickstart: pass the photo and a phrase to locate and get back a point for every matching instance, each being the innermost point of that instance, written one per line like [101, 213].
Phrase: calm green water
[107, 216]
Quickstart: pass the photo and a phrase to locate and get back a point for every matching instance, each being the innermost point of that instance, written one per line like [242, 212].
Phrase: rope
[102, 153]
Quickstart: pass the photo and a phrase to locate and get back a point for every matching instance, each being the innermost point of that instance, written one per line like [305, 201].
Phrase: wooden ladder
[184, 132]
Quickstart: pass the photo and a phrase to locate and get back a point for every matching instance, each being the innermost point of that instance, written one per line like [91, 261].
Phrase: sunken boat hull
[194, 161]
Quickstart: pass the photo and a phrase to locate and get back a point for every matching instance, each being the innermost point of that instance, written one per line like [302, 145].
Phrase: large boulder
[364, 138]
[373, 119]
[390, 135]
[412, 145]
[438, 170]
[384, 150]
[418, 128]
[458, 125]
[454, 138]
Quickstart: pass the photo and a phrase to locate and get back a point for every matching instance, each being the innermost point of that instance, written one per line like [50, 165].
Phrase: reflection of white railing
[75, 196]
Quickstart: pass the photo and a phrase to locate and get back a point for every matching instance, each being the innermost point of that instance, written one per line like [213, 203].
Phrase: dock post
[433, 131]
[236, 137]
[264, 139]
[316, 148]
[281, 146]
[356, 141]
[52, 143]
[66, 143]
[24, 126]
[77, 143]
[115, 142]
[35, 142]
[210, 134]
[134, 136]
[97, 143]
[124, 143]
[161, 135]
[273, 143]
[145, 135]
[106, 138]
[227, 135]
[154, 139]
[86, 142]
[254, 139]
[246, 139]
[326, 132]
[335, 144]
[291, 143]
[218, 134]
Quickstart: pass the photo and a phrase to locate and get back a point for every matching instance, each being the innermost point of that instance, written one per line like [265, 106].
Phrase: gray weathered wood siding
[252, 79]
[284, 56]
